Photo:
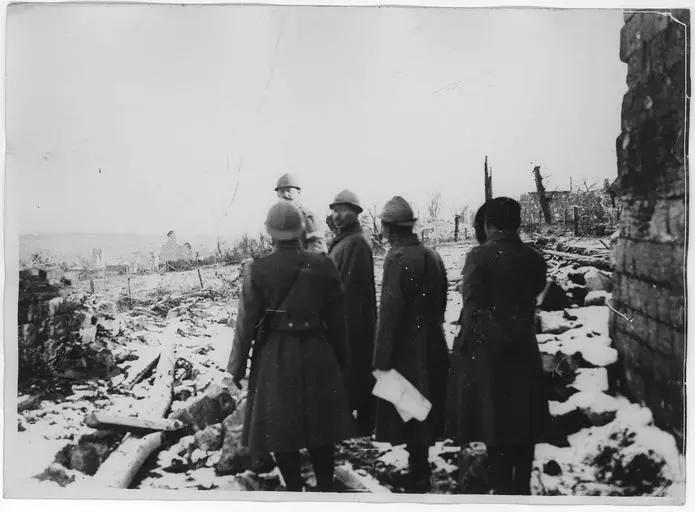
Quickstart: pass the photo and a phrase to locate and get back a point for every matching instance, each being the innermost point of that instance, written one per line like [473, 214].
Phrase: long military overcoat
[496, 390]
[410, 338]
[296, 393]
[352, 254]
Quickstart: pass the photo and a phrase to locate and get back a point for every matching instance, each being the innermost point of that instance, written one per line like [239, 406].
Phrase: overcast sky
[146, 118]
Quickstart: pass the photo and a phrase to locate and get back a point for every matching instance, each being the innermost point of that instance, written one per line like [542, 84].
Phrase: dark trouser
[321, 458]
[509, 468]
[419, 467]
[366, 413]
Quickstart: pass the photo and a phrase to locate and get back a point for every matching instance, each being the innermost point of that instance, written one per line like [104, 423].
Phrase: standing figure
[410, 338]
[169, 252]
[313, 238]
[352, 254]
[292, 317]
[498, 397]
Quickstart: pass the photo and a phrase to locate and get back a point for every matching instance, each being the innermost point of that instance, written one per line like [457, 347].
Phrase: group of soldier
[308, 324]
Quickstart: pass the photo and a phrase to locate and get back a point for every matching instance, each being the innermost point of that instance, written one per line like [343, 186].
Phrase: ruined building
[598, 211]
[649, 280]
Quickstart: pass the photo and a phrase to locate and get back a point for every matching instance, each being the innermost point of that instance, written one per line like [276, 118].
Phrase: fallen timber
[589, 261]
[123, 464]
[101, 420]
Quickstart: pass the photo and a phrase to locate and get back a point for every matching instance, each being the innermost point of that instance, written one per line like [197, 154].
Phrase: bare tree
[434, 205]
[374, 216]
[588, 187]
[220, 248]
[543, 199]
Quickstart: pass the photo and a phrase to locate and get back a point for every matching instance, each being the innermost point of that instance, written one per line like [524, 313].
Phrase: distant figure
[497, 386]
[410, 338]
[98, 258]
[170, 250]
[352, 254]
[187, 252]
[288, 189]
[154, 260]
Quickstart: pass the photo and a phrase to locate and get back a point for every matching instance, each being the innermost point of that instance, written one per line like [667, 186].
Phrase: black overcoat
[352, 254]
[496, 389]
[410, 338]
[296, 393]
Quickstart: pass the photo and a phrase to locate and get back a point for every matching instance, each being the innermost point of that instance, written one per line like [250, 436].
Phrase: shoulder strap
[276, 307]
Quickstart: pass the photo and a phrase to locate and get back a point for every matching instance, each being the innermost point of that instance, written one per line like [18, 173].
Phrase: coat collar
[508, 235]
[410, 239]
[283, 245]
[346, 231]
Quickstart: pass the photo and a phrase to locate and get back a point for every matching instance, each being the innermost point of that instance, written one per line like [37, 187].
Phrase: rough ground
[604, 444]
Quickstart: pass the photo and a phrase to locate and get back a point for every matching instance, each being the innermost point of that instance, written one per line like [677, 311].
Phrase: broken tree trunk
[105, 421]
[575, 220]
[123, 464]
[543, 199]
[488, 181]
[142, 367]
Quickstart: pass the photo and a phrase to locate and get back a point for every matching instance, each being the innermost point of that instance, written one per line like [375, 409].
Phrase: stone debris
[605, 445]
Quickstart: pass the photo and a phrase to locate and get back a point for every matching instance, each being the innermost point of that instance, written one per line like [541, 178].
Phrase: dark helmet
[398, 212]
[287, 181]
[284, 221]
[349, 198]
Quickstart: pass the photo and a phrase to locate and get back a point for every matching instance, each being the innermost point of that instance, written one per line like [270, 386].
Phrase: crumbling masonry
[649, 278]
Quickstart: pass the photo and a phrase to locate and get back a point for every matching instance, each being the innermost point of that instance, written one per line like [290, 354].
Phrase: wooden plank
[101, 420]
[148, 358]
[123, 464]
[357, 482]
[143, 311]
[599, 263]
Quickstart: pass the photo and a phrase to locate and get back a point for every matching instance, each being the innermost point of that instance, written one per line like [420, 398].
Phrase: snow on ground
[624, 454]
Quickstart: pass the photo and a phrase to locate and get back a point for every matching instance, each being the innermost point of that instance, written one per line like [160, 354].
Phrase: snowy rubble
[623, 453]
[616, 451]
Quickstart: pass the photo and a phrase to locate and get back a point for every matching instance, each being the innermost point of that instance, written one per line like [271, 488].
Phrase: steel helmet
[284, 221]
[347, 197]
[287, 181]
[398, 212]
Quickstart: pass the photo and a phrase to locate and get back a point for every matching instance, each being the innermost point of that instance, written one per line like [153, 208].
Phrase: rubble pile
[57, 333]
[600, 443]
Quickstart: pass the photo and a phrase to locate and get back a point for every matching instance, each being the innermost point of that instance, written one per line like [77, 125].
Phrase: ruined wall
[597, 213]
[649, 280]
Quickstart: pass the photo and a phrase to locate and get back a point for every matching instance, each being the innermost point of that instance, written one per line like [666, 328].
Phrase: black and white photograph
[425, 254]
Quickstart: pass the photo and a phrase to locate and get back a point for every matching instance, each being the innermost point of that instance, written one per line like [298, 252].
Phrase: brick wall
[649, 279]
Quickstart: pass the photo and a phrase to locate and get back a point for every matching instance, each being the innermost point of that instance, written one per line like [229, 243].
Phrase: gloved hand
[230, 379]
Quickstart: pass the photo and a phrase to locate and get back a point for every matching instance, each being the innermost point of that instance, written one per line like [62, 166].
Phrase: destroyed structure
[648, 327]
[597, 211]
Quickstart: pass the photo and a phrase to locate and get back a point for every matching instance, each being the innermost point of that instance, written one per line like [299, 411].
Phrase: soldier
[314, 239]
[291, 315]
[498, 394]
[352, 255]
[410, 338]
[169, 252]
